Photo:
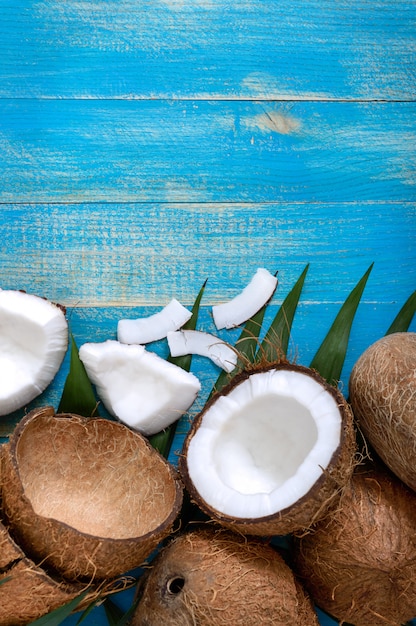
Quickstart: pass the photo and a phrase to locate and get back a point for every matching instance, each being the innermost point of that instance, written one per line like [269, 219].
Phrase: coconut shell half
[214, 577]
[359, 564]
[28, 592]
[268, 450]
[87, 497]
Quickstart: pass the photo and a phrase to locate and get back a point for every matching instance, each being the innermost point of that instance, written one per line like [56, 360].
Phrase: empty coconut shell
[359, 564]
[214, 577]
[87, 497]
[28, 592]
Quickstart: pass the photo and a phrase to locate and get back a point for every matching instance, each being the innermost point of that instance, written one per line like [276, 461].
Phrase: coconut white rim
[184, 342]
[141, 389]
[250, 466]
[246, 304]
[154, 327]
[33, 343]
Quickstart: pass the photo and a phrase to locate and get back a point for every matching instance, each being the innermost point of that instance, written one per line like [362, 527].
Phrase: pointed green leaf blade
[247, 345]
[275, 343]
[163, 441]
[330, 357]
[78, 394]
[113, 613]
[57, 616]
[404, 317]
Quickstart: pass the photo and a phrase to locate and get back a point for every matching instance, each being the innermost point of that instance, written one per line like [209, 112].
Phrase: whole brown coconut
[28, 592]
[383, 397]
[87, 497]
[217, 578]
[271, 452]
[359, 564]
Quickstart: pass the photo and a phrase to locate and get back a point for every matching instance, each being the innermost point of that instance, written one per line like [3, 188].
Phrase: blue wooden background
[146, 145]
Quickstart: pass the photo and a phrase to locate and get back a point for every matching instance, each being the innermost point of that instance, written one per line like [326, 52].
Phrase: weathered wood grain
[279, 49]
[159, 151]
[143, 254]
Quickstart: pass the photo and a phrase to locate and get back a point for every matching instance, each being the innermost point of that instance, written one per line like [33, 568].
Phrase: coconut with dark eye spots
[213, 577]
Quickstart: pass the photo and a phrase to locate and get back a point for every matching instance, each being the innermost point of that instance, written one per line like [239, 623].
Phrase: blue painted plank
[76, 151]
[101, 255]
[279, 49]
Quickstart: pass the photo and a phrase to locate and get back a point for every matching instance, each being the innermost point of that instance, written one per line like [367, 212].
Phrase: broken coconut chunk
[138, 387]
[183, 342]
[246, 304]
[33, 343]
[154, 327]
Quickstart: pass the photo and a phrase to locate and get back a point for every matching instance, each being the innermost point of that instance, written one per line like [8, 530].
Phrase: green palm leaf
[275, 343]
[115, 616]
[78, 394]
[57, 616]
[162, 441]
[247, 345]
[404, 317]
[330, 357]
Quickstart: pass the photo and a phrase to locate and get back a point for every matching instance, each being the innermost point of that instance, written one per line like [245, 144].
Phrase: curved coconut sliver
[147, 329]
[33, 343]
[138, 387]
[184, 342]
[246, 304]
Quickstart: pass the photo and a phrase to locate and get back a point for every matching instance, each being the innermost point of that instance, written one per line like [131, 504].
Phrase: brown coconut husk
[89, 498]
[383, 396]
[28, 592]
[321, 497]
[213, 577]
[359, 564]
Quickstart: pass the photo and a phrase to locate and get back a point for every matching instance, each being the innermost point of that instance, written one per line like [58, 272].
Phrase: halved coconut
[28, 592]
[88, 497]
[270, 453]
[138, 387]
[147, 329]
[33, 343]
[212, 577]
[359, 564]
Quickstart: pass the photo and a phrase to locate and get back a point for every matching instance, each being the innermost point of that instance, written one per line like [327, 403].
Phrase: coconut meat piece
[246, 304]
[183, 342]
[262, 447]
[33, 343]
[141, 389]
[154, 327]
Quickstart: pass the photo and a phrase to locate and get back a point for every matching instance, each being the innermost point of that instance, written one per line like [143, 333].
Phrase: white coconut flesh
[263, 446]
[154, 327]
[182, 342]
[246, 304]
[141, 389]
[33, 343]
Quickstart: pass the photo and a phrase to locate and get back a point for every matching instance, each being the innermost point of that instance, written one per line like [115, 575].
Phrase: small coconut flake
[146, 329]
[138, 387]
[246, 304]
[204, 344]
[33, 343]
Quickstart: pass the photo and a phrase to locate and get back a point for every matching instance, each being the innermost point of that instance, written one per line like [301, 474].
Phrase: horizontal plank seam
[213, 99]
